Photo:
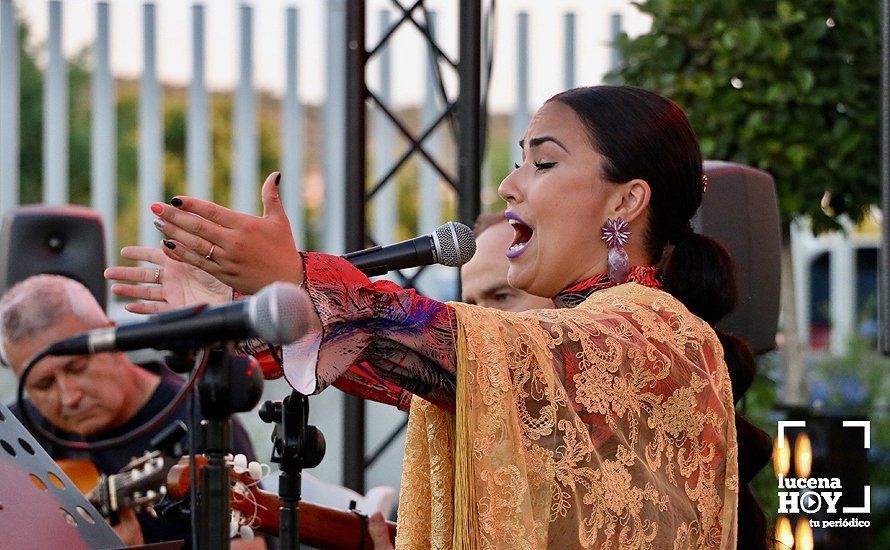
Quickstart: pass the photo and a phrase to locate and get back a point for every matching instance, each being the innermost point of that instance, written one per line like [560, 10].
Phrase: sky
[593, 20]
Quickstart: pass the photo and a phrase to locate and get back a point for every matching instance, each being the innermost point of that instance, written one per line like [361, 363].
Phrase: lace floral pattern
[605, 424]
[632, 447]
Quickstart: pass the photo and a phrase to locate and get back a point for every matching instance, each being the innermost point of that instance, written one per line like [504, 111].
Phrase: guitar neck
[320, 526]
[140, 484]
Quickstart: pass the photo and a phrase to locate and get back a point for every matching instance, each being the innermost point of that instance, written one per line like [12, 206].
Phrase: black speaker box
[741, 211]
[61, 240]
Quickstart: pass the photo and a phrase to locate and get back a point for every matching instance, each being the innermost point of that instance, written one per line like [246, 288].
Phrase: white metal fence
[245, 146]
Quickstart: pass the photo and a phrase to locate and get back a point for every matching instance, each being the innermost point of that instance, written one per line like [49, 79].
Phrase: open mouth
[522, 234]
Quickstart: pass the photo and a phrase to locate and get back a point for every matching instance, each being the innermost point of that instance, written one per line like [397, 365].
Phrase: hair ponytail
[699, 273]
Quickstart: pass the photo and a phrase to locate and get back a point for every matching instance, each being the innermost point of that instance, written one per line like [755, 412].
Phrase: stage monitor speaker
[61, 240]
[741, 211]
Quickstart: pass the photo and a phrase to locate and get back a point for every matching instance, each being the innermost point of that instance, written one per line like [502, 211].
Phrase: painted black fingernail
[176, 201]
[277, 178]
[169, 244]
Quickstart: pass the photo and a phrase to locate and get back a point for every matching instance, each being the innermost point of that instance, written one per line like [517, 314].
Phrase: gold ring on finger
[157, 276]
[209, 255]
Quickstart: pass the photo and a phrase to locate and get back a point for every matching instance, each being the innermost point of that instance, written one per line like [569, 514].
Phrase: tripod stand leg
[228, 385]
[215, 513]
[289, 486]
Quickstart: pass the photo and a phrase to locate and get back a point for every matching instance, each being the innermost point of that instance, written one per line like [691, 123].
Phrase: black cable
[101, 445]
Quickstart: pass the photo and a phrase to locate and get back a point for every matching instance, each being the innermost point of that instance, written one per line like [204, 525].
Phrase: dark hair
[642, 135]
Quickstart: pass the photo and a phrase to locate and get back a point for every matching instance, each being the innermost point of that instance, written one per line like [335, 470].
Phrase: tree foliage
[791, 87]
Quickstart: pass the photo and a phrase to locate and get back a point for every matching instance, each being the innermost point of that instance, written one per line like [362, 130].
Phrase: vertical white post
[569, 69]
[334, 222]
[430, 207]
[55, 114]
[842, 276]
[386, 211]
[292, 136]
[9, 107]
[245, 153]
[103, 137]
[197, 134]
[520, 117]
[151, 137]
[615, 57]
[802, 260]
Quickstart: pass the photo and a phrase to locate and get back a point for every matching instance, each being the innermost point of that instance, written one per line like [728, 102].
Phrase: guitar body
[81, 471]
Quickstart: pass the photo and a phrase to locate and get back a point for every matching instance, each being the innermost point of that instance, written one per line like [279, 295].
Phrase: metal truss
[465, 114]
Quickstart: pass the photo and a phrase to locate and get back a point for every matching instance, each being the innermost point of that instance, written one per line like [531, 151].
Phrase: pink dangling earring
[616, 233]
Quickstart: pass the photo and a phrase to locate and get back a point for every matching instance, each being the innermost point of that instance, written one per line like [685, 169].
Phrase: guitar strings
[248, 496]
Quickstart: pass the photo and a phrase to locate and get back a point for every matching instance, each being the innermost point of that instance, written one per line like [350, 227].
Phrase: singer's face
[84, 394]
[558, 200]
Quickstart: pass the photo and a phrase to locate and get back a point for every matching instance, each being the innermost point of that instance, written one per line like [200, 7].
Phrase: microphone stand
[297, 445]
[229, 384]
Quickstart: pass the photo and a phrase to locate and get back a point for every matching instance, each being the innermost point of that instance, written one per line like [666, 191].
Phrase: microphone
[272, 314]
[452, 244]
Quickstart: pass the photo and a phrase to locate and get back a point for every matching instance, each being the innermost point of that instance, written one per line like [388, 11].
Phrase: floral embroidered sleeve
[377, 340]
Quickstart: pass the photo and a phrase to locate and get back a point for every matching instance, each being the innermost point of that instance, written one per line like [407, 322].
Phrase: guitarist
[92, 396]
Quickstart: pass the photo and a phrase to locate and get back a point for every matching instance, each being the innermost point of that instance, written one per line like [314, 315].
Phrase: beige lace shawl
[608, 425]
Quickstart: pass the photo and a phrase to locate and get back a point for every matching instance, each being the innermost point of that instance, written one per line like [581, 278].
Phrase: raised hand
[244, 251]
[170, 283]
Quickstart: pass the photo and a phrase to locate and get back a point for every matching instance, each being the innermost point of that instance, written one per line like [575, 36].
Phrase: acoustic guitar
[320, 526]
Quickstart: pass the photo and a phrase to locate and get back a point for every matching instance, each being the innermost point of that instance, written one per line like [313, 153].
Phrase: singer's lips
[523, 234]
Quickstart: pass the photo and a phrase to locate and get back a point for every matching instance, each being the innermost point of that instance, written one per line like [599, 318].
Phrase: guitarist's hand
[379, 532]
[129, 530]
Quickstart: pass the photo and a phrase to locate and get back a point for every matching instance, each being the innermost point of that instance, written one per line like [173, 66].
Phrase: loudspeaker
[61, 240]
[741, 211]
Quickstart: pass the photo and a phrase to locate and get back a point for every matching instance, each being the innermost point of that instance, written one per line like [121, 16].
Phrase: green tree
[791, 87]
